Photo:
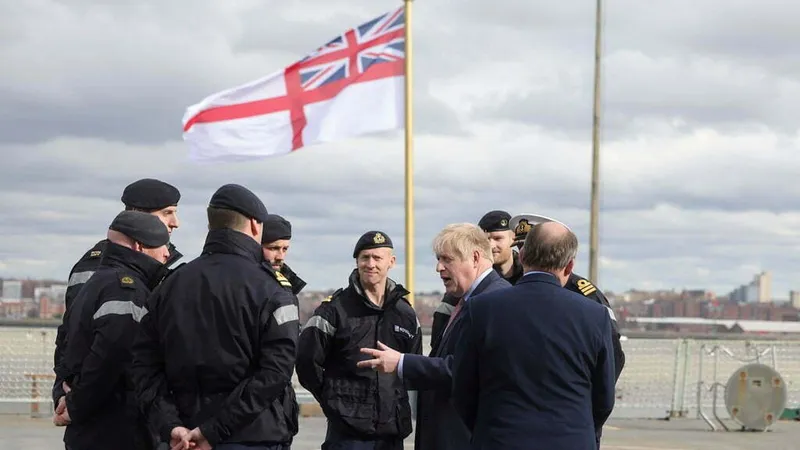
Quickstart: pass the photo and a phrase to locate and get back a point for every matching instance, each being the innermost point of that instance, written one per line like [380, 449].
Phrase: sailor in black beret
[238, 298]
[371, 310]
[275, 242]
[506, 261]
[155, 197]
[495, 221]
[142, 227]
[372, 239]
[149, 194]
[103, 320]
[276, 228]
[240, 199]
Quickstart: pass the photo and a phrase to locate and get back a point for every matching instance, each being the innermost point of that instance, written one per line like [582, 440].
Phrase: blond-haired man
[364, 408]
[464, 263]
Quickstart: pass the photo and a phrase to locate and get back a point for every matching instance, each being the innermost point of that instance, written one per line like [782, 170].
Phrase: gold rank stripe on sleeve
[585, 287]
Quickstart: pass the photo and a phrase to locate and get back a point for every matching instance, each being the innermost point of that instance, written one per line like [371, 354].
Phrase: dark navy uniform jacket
[359, 403]
[535, 368]
[217, 348]
[438, 425]
[102, 325]
[78, 276]
[581, 285]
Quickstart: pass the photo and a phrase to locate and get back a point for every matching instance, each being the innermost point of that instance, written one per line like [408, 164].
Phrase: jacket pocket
[403, 413]
[291, 411]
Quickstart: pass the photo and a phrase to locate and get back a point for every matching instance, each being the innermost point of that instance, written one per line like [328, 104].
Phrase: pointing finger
[371, 352]
[368, 363]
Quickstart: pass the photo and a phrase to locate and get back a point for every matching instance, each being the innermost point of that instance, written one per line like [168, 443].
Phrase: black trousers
[335, 440]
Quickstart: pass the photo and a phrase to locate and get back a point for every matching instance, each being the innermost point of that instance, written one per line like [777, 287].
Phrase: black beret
[372, 239]
[149, 194]
[276, 228]
[142, 227]
[240, 199]
[495, 221]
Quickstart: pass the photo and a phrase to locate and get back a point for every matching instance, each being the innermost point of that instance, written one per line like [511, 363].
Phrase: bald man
[534, 368]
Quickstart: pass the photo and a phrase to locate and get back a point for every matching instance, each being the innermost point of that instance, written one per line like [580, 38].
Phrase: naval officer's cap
[521, 224]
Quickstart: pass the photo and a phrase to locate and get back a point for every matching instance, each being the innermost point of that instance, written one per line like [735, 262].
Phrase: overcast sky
[700, 142]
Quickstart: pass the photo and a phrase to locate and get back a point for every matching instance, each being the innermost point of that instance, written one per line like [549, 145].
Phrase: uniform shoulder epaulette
[97, 250]
[333, 296]
[585, 286]
[126, 281]
[282, 279]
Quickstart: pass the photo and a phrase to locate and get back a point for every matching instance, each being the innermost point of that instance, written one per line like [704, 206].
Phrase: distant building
[50, 300]
[764, 283]
[12, 289]
[757, 291]
[794, 299]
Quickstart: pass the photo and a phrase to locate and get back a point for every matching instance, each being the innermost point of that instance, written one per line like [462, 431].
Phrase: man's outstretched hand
[385, 359]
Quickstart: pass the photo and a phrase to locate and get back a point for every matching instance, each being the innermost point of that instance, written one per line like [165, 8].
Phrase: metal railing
[670, 378]
[662, 377]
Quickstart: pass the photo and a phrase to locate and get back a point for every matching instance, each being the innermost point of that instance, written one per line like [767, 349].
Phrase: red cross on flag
[351, 86]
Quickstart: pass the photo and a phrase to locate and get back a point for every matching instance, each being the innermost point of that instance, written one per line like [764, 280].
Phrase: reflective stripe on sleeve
[79, 278]
[321, 324]
[285, 314]
[120, 308]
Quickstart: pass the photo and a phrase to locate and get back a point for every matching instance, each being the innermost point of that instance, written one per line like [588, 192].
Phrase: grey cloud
[698, 65]
[748, 32]
[691, 93]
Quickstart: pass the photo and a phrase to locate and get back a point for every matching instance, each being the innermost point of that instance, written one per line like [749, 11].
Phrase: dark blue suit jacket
[438, 425]
[535, 368]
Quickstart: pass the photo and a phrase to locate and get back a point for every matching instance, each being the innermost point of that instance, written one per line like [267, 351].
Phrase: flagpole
[409, 166]
[595, 208]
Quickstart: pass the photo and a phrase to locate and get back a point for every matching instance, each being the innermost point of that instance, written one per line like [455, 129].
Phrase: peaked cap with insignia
[522, 224]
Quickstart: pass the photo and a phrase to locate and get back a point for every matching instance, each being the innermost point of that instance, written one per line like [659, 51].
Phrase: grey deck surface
[22, 432]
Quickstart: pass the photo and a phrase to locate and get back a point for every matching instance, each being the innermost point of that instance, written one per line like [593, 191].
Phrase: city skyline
[759, 290]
